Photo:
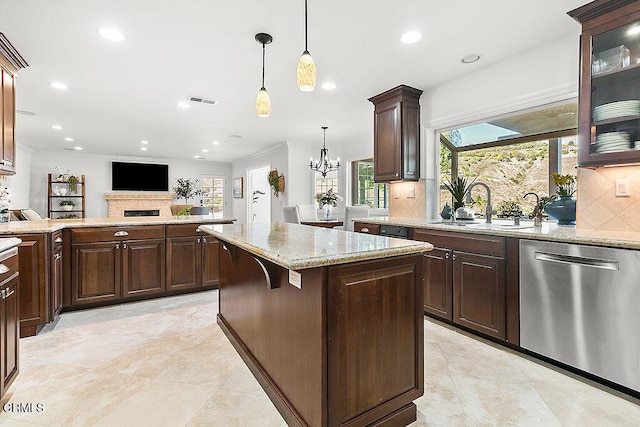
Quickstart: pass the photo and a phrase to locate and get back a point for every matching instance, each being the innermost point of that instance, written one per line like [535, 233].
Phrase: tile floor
[165, 362]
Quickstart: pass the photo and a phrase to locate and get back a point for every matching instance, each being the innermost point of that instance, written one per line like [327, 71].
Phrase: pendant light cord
[305, 27]
[263, 50]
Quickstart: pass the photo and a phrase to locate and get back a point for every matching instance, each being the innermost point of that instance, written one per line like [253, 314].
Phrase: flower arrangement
[5, 200]
[329, 198]
[566, 184]
[186, 189]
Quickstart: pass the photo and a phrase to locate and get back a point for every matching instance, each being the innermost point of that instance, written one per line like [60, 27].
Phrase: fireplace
[142, 212]
[141, 203]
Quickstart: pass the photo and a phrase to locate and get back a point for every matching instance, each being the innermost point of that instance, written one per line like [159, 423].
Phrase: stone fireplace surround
[139, 200]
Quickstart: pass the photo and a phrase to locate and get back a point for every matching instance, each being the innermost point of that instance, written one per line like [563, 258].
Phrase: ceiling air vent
[202, 100]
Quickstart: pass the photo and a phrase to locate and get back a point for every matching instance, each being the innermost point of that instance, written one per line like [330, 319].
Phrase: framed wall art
[237, 188]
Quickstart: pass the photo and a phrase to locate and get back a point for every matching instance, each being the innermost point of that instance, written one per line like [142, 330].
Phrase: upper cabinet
[10, 63]
[396, 134]
[609, 104]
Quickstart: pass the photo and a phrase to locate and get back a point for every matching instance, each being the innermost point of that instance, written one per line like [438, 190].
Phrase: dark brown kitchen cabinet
[464, 280]
[192, 258]
[34, 257]
[9, 321]
[396, 134]
[438, 282]
[10, 63]
[609, 98]
[362, 227]
[56, 275]
[114, 263]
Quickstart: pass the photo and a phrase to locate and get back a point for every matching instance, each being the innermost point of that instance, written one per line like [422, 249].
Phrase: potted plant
[563, 208]
[72, 181]
[67, 205]
[458, 187]
[276, 182]
[186, 189]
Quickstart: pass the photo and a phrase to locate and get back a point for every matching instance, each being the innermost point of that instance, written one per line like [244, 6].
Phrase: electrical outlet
[411, 193]
[623, 188]
[396, 193]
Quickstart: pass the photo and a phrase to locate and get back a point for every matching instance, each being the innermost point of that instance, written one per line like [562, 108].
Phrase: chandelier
[324, 164]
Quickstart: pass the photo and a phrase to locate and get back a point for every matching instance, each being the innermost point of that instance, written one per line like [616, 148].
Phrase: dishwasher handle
[576, 260]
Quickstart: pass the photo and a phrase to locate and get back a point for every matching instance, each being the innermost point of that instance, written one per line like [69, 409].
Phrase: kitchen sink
[498, 226]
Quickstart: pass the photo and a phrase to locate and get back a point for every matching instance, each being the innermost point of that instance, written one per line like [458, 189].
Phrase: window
[325, 184]
[514, 156]
[365, 191]
[213, 194]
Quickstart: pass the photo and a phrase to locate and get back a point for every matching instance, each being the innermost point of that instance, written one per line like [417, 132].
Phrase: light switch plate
[411, 193]
[623, 188]
[396, 193]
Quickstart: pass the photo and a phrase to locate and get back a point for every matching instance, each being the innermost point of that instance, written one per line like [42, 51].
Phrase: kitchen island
[330, 322]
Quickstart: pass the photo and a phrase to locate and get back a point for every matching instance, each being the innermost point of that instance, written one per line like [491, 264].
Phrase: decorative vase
[563, 210]
[67, 207]
[5, 216]
[328, 211]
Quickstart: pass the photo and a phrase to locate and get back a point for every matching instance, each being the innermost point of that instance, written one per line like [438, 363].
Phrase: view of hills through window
[510, 171]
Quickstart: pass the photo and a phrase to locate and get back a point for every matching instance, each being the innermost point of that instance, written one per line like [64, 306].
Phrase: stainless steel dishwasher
[580, 305]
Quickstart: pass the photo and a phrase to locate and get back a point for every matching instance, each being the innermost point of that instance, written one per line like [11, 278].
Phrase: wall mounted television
[139, 177]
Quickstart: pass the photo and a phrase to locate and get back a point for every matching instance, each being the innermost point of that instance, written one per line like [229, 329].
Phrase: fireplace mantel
[139, 200]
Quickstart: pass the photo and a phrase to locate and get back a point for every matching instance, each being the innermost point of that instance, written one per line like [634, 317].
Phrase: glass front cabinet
[609, 103]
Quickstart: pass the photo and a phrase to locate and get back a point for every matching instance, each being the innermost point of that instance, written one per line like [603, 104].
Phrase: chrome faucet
[489, 210]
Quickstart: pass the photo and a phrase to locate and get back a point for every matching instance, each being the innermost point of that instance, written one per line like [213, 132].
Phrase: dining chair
[308, 212]
[291, 214]
[351, 212]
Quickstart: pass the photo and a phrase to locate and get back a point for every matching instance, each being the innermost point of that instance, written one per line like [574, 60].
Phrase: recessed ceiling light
[410, 37]
[143, 148]
[469, 59]
[183, 105]
[59, 85]
[77, 148]
[56, 127]
[216, 142]
[204, 150]
[111, 34]
[68, 139]
[634, 30]
[197, 157]
[144, 142]
[328, 85]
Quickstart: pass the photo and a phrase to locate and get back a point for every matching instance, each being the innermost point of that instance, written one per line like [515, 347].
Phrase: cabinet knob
[124, 246]
[454, 257]
[396, 173]
[446, 255]
[199, 240]
[204, 240]
[117, 245]
[120, 234]
[364, 230]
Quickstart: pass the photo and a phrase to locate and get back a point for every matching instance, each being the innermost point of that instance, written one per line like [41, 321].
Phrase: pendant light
[324, 164]
[306, 72]
[263, 102]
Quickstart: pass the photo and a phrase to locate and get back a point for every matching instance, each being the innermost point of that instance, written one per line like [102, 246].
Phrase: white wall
[21, 181]
[97, 171]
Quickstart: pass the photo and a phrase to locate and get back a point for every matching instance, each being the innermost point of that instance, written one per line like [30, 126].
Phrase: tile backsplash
[407, 200]
[597, 204]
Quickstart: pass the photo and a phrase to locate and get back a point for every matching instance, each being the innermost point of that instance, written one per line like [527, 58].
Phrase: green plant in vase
[67, 205]
[458, 187]
[73, 184]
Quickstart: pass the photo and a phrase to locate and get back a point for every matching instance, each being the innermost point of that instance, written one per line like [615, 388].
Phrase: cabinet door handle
[57, 256]
[454, 257]
[120, 234]
[204, 240]
[364, 230]
[124, 246]
[446, 255]
[6, 294]
[198, 239]
[3, 268]
[58, 240]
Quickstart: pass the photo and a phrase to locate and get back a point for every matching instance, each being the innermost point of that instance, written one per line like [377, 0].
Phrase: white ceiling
[121, 93]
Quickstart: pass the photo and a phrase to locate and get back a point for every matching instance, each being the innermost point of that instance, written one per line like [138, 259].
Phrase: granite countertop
[8, 243]
[50, 225]
[297, 247]
[550, 231]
